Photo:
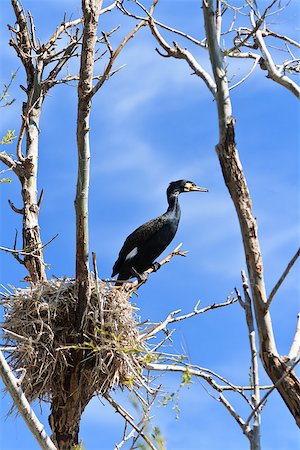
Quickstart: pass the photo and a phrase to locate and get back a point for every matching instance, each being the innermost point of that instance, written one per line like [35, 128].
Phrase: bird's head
[177, 187]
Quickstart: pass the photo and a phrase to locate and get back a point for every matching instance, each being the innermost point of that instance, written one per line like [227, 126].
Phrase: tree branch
[295, 347]
[120, 410]
[247, 306]
[282, 278]
[264, 398]
[171, 318]
[13, 387]
[268, 63]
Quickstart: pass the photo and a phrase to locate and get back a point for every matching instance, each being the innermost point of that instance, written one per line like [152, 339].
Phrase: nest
[39, 328]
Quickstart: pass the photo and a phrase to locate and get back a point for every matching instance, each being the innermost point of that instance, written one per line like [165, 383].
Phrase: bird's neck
[174, 207]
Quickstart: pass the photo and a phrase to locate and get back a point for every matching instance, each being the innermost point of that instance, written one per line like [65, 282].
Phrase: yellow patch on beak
[189, 187]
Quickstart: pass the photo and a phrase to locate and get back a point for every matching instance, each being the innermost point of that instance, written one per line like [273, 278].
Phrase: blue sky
[153, 123]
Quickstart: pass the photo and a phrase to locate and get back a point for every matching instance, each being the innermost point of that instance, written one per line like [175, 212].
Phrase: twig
[247, 306]
[256, 61]
[40, 198]
[205, 374]
[113, 57]
[16, 210]
[244, 426]
[108, 8]
[295, 347]
[197, 311]
[100, 299]
[125, 438]
[268, 32]
[269, 65]
[172, 316]
[180, 53]
[254, 30]
[114, 54]
[122, 8]
[32, 31]
[176, 252]
[282, 278]
[264, 398]
[20, 140]
[120, 410]
[32, 252]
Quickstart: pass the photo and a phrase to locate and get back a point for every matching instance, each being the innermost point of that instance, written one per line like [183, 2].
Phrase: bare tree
[88, 355]
[35, 57]
[276, 366]
[69, 391]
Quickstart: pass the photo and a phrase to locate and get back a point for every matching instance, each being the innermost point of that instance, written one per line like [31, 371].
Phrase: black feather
[148, 241]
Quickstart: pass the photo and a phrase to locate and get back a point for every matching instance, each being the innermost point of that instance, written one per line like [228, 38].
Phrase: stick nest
[39, 325]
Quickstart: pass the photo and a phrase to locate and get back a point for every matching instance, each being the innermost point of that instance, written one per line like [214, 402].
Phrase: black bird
[147, 242]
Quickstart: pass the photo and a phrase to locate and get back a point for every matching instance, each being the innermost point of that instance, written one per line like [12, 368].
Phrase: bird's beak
[189, 187]
[198, 189]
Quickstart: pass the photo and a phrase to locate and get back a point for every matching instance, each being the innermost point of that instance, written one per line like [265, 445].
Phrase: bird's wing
[138, 236]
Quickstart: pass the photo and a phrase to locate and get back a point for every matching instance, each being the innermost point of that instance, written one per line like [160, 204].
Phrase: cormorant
[147, 242]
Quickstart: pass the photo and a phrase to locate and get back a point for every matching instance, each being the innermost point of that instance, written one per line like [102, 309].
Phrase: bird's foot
[141, 277]
[155, 266]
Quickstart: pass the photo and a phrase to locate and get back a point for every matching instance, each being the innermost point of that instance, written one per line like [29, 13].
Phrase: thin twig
[295, 347]
[120, 410]
[282, 278]
[264, 398]
[246, 76]
[100, 299]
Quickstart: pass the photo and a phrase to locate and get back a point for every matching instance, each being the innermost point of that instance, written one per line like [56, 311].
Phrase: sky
[152, 123]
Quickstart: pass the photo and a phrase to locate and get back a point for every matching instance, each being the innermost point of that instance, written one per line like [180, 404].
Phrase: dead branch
[128, 418]
[172, 316]
[269, 65]
[264, 398]
[17, 168]
[176, 252]
[256, 61]
[295, 347]
[203, 373]
[113, 55]
[252, 32]
[13, 386]
[244, 427]
[282, 278]
[16, 210]
[34, 56]
[122, 8]
[177, 52]
[247, 306]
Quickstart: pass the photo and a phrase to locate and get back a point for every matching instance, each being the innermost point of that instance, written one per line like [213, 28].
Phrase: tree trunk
[70, 397]
[31, 231]
[91, 10]
[235, 181]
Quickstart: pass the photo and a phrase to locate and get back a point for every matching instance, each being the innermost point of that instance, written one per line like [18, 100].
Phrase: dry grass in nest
[39, 325]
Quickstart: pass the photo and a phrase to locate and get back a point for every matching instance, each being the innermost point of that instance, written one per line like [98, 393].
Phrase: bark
[70, 398]
[235, 180]
[274, 365]
[31, 118]
[31, 231]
